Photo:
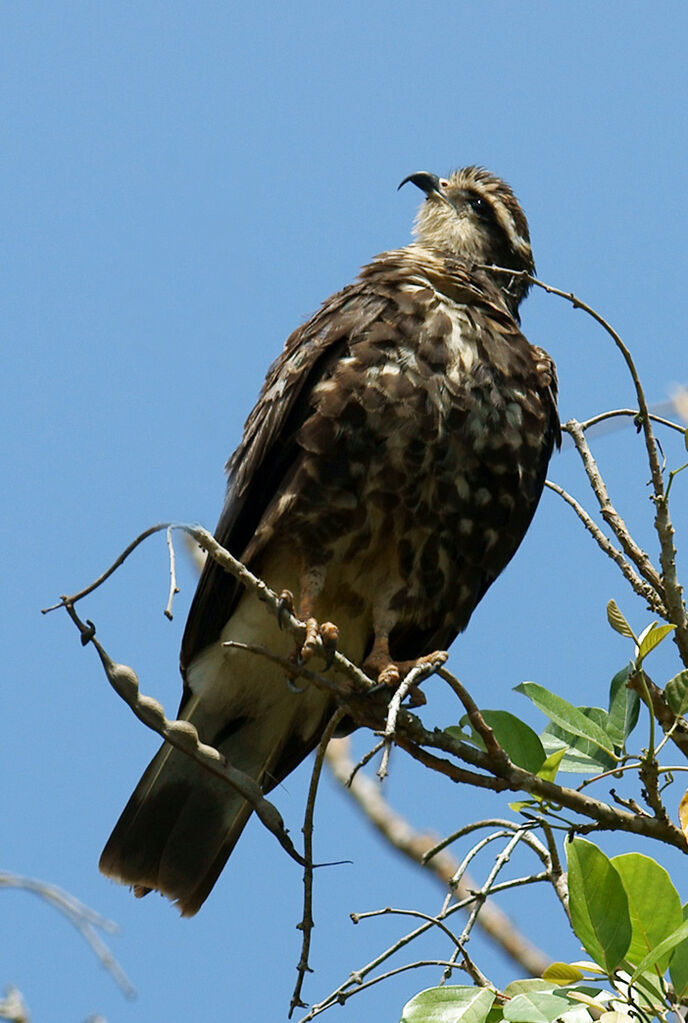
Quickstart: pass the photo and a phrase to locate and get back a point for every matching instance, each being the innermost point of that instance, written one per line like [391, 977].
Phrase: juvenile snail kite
[386, 476]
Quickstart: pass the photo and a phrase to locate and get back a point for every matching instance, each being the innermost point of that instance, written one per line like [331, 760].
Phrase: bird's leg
[379, 663]
[311, 585]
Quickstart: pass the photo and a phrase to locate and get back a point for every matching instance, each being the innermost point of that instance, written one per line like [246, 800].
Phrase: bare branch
[474, 716]
[80, 916]
[418, 848]
[64, 601]
[515, 778]
[420, 671]
[671, 592]
[183, 736]
[633, 414]
[307, 922]
[173, 575]
[639, 558]
[642, 588]
[342, 995]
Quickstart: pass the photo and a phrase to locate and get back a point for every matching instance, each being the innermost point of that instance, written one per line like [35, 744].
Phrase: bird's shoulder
[401, 294]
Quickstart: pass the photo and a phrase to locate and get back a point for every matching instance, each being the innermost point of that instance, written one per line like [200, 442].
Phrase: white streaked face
[477, 218]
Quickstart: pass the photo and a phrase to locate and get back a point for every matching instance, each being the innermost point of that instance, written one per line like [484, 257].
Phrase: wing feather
[268, 453]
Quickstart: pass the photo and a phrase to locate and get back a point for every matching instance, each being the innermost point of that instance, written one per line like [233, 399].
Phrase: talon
[285, 606]
[389, 676]
[329, 634]
[293, 688]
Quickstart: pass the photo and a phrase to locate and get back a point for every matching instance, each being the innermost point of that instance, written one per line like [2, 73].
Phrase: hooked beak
[428, 183]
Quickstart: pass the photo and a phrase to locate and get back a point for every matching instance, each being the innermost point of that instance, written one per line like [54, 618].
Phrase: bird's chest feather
[434, 431]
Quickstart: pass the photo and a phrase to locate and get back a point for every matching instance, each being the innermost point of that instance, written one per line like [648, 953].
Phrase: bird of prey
[386, 476]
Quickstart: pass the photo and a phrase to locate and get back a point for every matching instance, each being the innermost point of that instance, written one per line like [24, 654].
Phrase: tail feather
[176, 832]
[181, 823]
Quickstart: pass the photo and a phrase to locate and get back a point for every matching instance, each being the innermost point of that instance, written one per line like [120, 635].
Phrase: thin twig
[419, 671]
[183, 736]
[64, 601]
[365, 759]
[355, 980]
[307, 922]
[474, 716]
[557, 875]
[417, 847]
[497, 867]
[640, 586]
[633, 413]
[639, 558]
[341, 996]
[80, 916]
[173, 576]
[672, 592]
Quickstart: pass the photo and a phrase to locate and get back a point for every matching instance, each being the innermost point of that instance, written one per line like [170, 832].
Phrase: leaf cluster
[628, 917]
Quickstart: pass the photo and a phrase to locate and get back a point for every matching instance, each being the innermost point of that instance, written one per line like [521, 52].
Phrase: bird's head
[475, 217]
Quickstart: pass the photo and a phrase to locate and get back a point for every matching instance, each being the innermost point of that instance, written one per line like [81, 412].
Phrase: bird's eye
[479, 205]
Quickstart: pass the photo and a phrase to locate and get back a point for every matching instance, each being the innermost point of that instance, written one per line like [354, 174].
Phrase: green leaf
[685, 439]
[525, 804]
[562, 973]
[536, 1007]
[651, 637]
[624, 707]
[678, 967]
[590, 750]
[574, 759]
[548, 771]
[617, 620]
[657, 953]
[653, 903]
[452, 1004]
[676, 692]
[577, 1014]
[568, 717]
[527, 984]
[518, 740]
[598, 904]
[495, 1014]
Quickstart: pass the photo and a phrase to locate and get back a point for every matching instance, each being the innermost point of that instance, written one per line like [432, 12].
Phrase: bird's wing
[268, 450]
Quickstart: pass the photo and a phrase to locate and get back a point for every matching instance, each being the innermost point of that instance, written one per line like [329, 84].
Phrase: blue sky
[183, 183]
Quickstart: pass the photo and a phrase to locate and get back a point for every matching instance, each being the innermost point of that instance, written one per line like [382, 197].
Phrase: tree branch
[416, 845]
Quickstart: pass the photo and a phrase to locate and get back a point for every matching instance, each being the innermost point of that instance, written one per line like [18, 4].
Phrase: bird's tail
[181, 823]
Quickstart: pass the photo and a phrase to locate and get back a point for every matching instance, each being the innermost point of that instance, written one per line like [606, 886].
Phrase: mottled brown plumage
[387, 475]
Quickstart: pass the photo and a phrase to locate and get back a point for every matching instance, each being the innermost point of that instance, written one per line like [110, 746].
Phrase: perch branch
[183, 736]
